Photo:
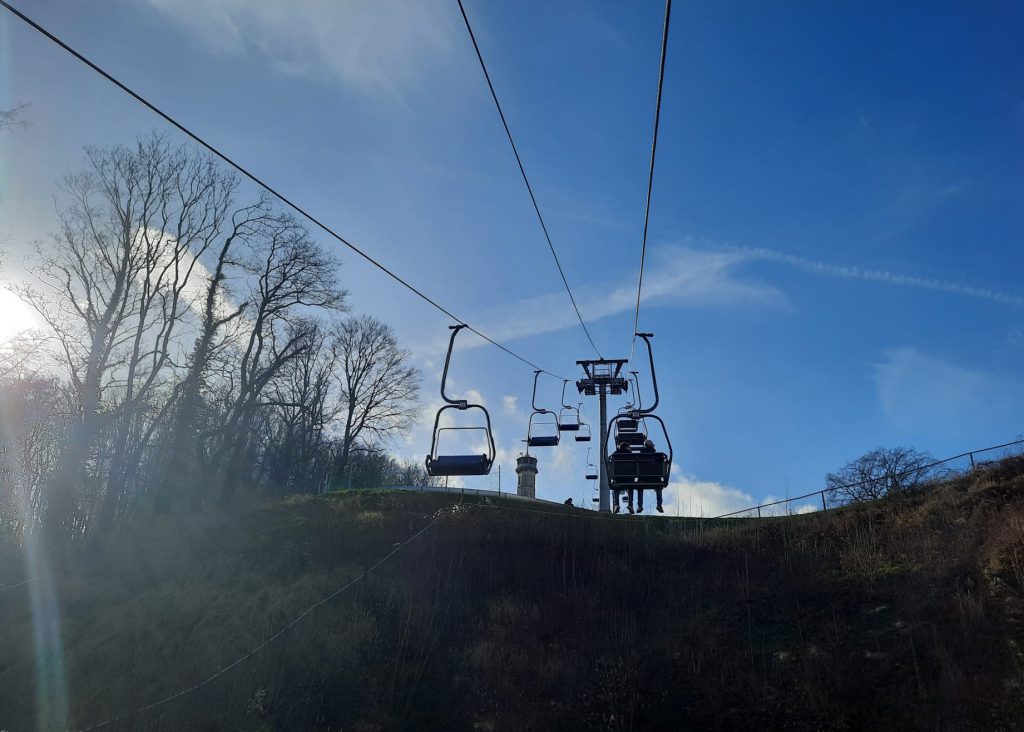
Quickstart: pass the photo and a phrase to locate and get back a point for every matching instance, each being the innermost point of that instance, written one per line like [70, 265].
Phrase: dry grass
[899, 614]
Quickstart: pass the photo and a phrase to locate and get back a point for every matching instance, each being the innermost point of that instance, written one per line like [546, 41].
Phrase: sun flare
[15, 316]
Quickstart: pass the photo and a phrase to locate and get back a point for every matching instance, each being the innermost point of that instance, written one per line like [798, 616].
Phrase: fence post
[971, 455]
[759, 512]
[823, 506]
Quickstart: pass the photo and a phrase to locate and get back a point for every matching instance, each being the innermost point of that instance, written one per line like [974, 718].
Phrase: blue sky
[835, 256]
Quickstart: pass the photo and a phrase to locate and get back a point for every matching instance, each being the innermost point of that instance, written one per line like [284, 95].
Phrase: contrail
[875, 275]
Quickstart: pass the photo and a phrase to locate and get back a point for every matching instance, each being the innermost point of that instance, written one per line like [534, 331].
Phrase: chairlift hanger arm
[654, 376]
[636, 390]
[461, 404]
[533, 399]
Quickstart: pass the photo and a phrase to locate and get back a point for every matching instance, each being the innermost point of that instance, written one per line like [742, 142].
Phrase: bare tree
[114, 288]
[305, 405]
[196, 347]
[35, 414]
[218, 318]
[289, 277]
[379, 389]
[11, 119]
[881, 472]
[21, 356]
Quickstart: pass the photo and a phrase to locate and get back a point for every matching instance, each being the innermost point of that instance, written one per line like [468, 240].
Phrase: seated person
[623, 449]
[648, 449]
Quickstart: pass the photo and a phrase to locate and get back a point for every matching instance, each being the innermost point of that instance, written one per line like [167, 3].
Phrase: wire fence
[820, 500]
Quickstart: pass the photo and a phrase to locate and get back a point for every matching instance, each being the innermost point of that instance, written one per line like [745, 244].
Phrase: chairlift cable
[257, 180]
[650, 177]
[522, 171]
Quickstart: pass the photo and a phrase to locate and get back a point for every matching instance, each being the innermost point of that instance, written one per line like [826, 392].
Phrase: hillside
[906, 613]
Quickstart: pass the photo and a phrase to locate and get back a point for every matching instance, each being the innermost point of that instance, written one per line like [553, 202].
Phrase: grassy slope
[904, 613]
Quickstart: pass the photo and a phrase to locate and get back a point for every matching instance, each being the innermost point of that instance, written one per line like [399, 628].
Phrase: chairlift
[634, 467]
[542, 428]
[591, 473]
[630, 429]
[568, 416]
[583, 434]
[438, 464]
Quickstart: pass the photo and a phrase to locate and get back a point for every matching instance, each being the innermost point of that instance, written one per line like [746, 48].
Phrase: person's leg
[615, 501]
[657, 493]
[640, 499]
[629, 498]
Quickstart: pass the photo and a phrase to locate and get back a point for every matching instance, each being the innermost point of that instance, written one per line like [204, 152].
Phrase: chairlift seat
[582, 437]
[543, 441]
[633, 439]
[638, 470]
[569, 426]
[459, 465]
[627, 425]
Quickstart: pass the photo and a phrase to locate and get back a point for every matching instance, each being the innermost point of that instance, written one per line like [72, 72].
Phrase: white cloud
[786, 509]
[511, 406]
[559, 460]
[369, 45]
[704, 498]
[473, 396]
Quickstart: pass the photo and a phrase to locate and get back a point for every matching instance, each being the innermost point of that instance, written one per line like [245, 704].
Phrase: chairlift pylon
[458, 464]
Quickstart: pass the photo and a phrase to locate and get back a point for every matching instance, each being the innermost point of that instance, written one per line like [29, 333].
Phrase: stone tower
[526, 469]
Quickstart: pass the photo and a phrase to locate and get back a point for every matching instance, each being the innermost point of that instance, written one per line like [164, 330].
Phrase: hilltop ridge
[902, 613]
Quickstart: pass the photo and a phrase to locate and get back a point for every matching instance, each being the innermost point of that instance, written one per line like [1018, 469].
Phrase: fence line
[918, 469]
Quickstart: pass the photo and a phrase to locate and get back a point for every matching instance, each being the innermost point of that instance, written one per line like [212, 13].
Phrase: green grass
[905, 613]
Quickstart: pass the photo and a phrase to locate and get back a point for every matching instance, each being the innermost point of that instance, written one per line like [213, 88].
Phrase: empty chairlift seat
[568, 421]
[568, 416]
[438, 464]
[591, 473]
[542, 432]
[628, 430]
[627, 424]
[543, 429]
[459, 465]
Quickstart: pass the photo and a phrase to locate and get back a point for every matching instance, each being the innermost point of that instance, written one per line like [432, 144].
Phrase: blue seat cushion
[459, 465]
